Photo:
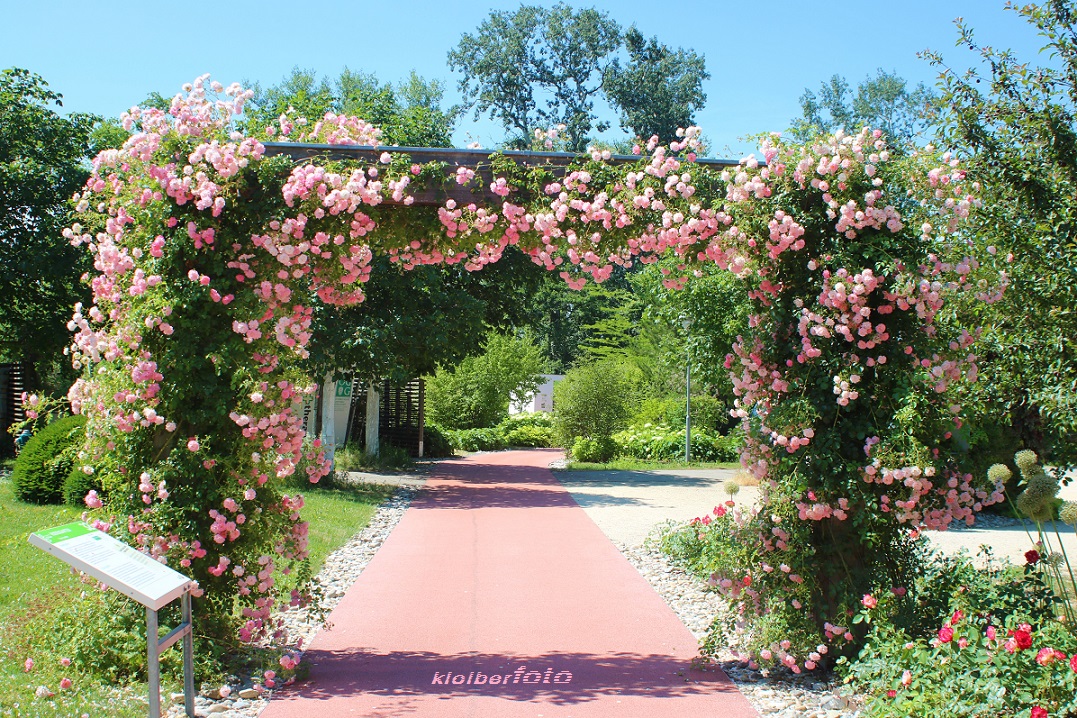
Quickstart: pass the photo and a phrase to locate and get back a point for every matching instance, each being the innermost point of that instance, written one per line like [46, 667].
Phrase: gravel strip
[780, 694]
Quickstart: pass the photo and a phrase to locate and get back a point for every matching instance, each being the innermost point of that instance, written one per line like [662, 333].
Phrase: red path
[496, 571]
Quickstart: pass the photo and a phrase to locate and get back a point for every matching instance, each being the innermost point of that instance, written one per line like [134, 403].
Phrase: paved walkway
[627, 505]
[495, 597]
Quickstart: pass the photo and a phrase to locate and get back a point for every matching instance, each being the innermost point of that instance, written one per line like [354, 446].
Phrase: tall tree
[1019, 125]
[882, 102]
[537, 68]
[554, 56]
[659, 89]
[43, 162]
[413, 322]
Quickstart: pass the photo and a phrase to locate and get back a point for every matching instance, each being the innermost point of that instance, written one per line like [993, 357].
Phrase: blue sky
[105, 56]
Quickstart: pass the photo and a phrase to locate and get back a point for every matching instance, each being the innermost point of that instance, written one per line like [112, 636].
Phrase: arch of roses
[209, 254]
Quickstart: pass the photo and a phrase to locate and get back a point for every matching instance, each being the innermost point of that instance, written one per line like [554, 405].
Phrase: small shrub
[388, 458]
[435, 442]
[77, 485]
[45, 462]
[477, 439]
[597, 451]
[707, 413]
[529, 436]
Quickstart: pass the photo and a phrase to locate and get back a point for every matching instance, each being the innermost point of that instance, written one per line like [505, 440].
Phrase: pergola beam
[477, 160]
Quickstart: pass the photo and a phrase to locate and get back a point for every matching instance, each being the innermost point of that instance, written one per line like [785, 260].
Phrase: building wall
[541, 400]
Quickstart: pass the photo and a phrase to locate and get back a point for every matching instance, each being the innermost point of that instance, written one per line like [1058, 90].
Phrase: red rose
[946, 634]
[891, 693]
[1073, 663]
[1032, 557]
[1038, 712]
[1022, 636]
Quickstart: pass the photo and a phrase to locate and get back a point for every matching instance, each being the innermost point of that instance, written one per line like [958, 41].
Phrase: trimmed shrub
[596, 451]
[77, 484]
[529, 436]
[43, 465]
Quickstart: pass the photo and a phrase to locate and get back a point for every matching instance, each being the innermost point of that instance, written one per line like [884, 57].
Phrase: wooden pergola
[477, 160]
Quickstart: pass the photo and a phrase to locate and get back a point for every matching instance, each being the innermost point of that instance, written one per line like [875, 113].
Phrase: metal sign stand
[139, 577]
[155, 646]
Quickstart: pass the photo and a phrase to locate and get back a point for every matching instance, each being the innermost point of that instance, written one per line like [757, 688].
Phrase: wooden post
[373, 420]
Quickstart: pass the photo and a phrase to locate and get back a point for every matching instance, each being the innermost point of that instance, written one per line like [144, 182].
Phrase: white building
[540, 400]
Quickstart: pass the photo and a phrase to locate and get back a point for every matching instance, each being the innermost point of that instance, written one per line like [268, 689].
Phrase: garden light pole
[686, 323]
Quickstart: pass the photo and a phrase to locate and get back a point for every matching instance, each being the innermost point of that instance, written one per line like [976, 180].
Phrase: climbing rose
[946, 634]
[869, 601]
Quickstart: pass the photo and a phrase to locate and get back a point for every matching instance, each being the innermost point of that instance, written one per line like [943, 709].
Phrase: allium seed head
[999, 474]
[1068, 514]
[1025, 459]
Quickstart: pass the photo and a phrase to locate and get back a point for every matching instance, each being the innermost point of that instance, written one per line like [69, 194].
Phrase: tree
[565, 321]
[409, 115]
[718, 310]
[884, 102]
[477, 392]
[658, 89]
[594, 400]
[537, 68]
[414, 321]
[43, 161]
[1019, 125]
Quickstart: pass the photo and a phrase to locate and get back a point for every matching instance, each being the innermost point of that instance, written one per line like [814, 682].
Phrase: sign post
[137, 576]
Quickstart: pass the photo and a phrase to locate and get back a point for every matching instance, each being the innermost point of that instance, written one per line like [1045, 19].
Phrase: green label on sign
[65, 532]
[344, 388]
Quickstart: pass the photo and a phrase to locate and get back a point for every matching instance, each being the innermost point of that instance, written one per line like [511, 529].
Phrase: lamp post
[686, 323]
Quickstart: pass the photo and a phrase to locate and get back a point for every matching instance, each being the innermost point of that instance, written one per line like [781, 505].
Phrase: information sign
[114, 563]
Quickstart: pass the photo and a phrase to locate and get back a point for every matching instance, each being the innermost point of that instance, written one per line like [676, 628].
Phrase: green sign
[114, 563]
[65, 532]
[344, 388]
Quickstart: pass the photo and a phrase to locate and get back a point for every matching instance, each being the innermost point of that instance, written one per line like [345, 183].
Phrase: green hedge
[594, 451]
[661, 443]
[44, 464]
[520, 430]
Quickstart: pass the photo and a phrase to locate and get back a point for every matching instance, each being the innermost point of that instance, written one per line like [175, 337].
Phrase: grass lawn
[641, 465]
[338, 512]
[33, 585]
